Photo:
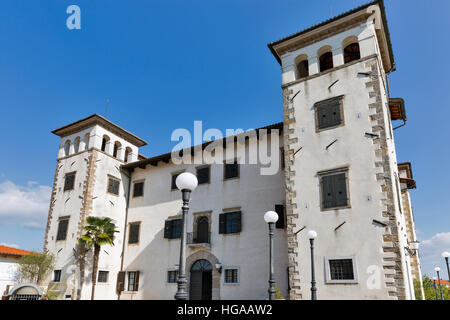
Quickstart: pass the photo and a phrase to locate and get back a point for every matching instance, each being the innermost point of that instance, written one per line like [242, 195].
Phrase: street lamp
[271, 217]
[186, 182]
[312, 235]
[435, 289]
[446, 255]
[437, 269]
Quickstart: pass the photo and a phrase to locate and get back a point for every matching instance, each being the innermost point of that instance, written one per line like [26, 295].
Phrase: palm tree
[99, 231]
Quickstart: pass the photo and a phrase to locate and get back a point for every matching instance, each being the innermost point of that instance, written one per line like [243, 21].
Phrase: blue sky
[164, 64]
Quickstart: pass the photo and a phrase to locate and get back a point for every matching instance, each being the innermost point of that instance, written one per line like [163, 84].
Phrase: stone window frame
[232, 210]
[209, 175]
[225, 162]
[129, 233]
[328, 274]
[345, 170]
[67, 230]
[178, 172]
[198, 215]
[341, 110]
[143, 188]
[167, 276]
[238, 276]
[74, 173]
[109, 176]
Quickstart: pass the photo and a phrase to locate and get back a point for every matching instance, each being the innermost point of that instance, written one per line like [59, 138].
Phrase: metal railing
[198, 237]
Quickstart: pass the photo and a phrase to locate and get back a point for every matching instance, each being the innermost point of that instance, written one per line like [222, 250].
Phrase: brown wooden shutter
[279, 209]
[222, 221]
[120, 281]
[136, 282]
[340, 189]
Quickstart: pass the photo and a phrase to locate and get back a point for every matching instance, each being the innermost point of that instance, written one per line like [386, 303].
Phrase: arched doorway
[202, 230]
[200, 286]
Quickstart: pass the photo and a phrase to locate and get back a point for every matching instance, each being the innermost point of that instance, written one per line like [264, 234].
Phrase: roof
[167, 156]
[336, 18]
[97, 119]
[10, 251]
[447, 283]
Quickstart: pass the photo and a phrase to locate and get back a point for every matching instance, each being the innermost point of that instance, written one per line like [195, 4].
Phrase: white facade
[8, 272]
[370, 230]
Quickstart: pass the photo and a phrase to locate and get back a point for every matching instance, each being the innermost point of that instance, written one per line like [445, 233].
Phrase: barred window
[232, 275]
[172, 276]
[341, 269]
[138, 190]
[103, 276]
[113, 185]
[69, 181]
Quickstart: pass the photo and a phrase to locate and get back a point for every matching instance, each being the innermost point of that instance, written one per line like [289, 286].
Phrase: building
[339, 176]
[9, 257]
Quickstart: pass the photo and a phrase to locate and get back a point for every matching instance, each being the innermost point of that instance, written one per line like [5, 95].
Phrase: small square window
[138, 189]
[172, 229]
[172, 276]
[56, 275]
[203, 175]
[113, 186]
[69, 181]
[231, 170]
[231, 275]
[230, 222]
[329, 113]
[334, 191]
[340, 270]
[103, 276]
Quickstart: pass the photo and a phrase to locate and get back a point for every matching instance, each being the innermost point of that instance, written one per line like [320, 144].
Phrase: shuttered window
[328, 113]
[334, 190]
[103, 276]
[69, 181]
[231, 170]
[113, 185]
[203, 175]
[231, 275]
[172, 229]
[230, 222]
[138, 189]
[281, 222]
[134, 233]
[63, 224]
[120, 281]
[133, 281]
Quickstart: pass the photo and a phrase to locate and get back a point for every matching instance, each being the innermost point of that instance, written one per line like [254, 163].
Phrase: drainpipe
[125, 225]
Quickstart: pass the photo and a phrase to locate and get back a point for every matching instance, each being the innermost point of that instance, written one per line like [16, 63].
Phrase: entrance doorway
[200, 287]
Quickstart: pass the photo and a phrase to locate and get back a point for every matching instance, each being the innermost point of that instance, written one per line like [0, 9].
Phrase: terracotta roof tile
[13, 251]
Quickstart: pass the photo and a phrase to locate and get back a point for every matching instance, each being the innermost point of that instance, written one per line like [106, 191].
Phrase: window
[117, 145]
[113, 185]
[329, 113]
[230, 222]
[138, 189]
[279, 209]
[104, 142]
[127, 154]
[69, 181]
[76, 145]
[231, 170]
[302, 69]
[174, 179]
[56, 275]
[133, 237]
[67, 148]
[63, 223]
[351, 53]
[172, 276]
[326, 61]
[103, 276]
[341, 270]
[133, 281]
[203, 174]
[334, 190]
[231, 275]
[172, 229]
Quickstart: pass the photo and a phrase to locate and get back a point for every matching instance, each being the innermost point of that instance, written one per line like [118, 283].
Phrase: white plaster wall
[8, 273]
[358, 236]
[253, 193]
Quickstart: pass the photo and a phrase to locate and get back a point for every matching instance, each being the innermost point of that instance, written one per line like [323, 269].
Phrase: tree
[430, 292]
[99, 231]
[35, 267]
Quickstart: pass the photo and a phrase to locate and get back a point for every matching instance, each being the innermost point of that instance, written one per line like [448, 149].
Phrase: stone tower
[88, 182]
[341, 166]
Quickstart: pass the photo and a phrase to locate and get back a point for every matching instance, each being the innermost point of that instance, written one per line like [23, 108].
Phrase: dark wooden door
[207, 285]
[203, 230]
[200, 283]
[195, 288]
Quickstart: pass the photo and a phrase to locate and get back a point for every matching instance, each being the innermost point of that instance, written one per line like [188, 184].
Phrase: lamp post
[312, 235]
[437, 269]
[186, 182]
[271, 217]
[435, 289]
[446, 255]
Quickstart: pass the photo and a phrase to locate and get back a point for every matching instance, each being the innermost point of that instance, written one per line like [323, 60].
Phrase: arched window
[76, 144]
[302, 66]
[67, 148]
[104, 142]
[351, 52]
[127, 153]
[86, 141]
[326, 61]
[116, 148]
